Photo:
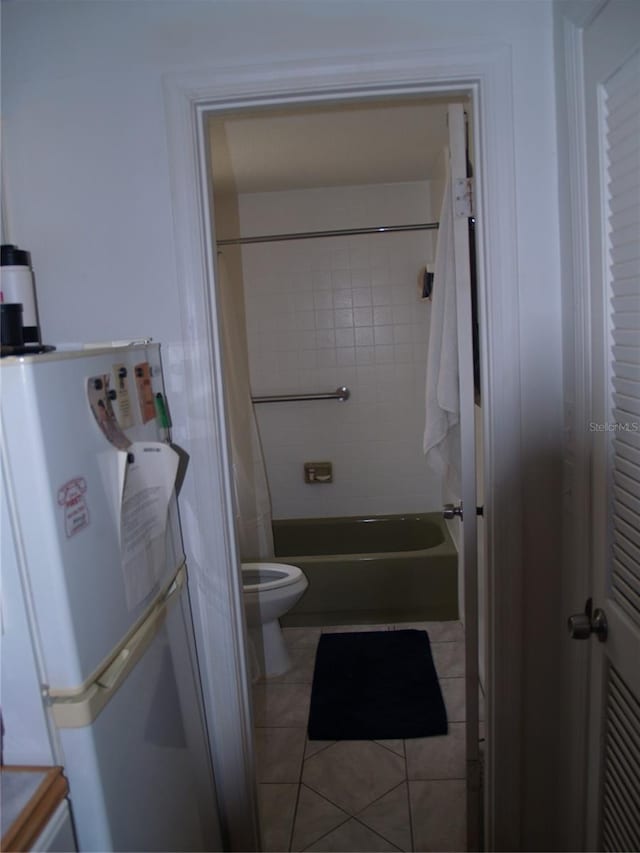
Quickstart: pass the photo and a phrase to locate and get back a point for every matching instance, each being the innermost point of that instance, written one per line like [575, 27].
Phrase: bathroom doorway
[345, 309]
[190, 96]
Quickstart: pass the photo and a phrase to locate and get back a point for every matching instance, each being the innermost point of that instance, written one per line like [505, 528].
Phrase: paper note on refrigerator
[148, 486]
[100, 404]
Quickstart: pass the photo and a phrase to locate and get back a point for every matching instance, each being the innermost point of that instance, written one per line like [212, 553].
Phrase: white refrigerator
[99, 667]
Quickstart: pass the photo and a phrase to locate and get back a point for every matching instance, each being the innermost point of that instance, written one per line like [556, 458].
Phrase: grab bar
[341, 394]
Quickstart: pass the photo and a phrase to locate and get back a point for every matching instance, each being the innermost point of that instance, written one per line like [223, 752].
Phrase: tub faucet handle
[452, 511]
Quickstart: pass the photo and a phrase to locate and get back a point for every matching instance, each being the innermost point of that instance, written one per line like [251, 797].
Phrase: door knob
[451, 511]
[583, 625]
[579, 626]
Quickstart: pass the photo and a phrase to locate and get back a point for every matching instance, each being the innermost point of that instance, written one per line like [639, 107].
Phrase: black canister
[11, 331]
[17, 286]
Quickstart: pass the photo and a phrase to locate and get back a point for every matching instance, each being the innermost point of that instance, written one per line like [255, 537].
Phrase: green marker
[161, 412]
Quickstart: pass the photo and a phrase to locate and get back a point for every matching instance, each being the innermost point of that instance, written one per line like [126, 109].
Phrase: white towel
[442, 429]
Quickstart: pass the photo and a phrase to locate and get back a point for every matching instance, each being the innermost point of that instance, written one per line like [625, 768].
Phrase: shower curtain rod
[340, 232]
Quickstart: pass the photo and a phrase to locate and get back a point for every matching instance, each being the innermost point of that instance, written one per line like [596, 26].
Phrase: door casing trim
[485, 73]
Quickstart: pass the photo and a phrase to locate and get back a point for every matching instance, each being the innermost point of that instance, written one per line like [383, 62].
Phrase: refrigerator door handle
[81, 710]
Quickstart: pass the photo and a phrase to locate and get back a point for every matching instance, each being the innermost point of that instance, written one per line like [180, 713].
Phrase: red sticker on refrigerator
[76, 511]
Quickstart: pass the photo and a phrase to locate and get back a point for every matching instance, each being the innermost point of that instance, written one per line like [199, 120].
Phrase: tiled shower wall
[338, 311]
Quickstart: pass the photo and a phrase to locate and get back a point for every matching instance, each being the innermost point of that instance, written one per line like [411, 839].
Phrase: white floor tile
[438, 815]
[389, 817]
[301, 636]
[277, 807]
[303, 660]
[442, 757]
[352, 774]
[396, 746]
[279, 753]
[355, 795]
[449, 659]
[354, 838]
[453, 693]
[281, 705]
[314, 746]
[315, 817]
[439, 632]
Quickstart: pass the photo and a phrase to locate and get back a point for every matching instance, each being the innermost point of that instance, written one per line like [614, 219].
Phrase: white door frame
[575, 17]
[485, 73]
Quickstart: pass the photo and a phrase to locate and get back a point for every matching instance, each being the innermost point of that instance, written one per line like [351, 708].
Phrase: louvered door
[612, 108]
[620, 118]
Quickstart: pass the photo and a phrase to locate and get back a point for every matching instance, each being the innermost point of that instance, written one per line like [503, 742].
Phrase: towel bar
[341, 394]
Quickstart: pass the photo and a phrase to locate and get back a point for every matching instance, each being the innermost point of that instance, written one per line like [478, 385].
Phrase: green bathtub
[370, 569]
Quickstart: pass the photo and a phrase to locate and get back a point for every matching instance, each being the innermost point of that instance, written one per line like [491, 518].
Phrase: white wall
[341, 311]
[88, 193]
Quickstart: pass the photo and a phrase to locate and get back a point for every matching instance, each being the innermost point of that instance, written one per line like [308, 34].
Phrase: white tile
[383, 335]
[442, 757]
[353, 837]
[381, 295]
[277, 805]
[453, 693]
[389, 817]
[281, 705]
[382, 316]
[303, 660]
[384, 354]
[315, 817]
[403, 313]
[343, 318]
[401, 293]
[320, 278]
[345, 337]
[303, 301]
[327, 358]
[396, 746]
[314, 746]
[325, 338]
[279, 753]
[361, 278]
[379, 276]
[449, 659]
[362, 316]
[322, 299]
[358, 257]
[401, 334]
[307, 358]
[305, 321]
[365, 355]
[281, 282]
[345, 356]
[362, 297]
[438, 815]
[340, 264]
[364, 336]
[342, 299]
[352, 774]
[301, 636]
[403, 353]
[439, 632]
[324, 319]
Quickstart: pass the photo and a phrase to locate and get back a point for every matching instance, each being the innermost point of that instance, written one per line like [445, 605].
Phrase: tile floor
[354, 796]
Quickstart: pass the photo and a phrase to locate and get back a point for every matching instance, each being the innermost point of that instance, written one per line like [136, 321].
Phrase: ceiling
[325, 146]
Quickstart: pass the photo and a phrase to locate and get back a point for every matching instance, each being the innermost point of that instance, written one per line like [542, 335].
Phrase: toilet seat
[265, 576]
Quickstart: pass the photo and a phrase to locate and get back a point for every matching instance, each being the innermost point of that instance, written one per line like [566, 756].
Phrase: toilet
[270, 590]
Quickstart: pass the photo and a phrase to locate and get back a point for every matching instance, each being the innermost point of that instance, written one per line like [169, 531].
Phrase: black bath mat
[375, 685]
